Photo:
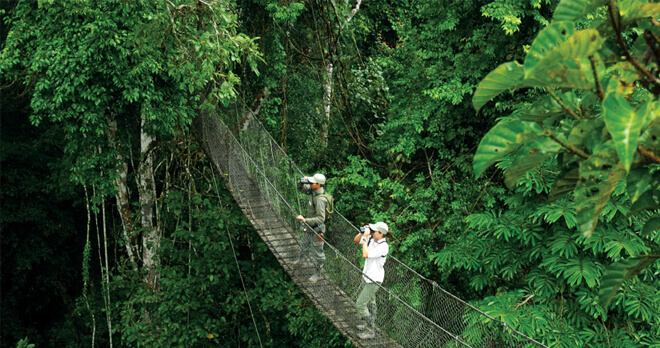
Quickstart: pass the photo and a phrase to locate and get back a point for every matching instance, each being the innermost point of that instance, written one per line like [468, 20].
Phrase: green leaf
[503, 78]
[556, 71]
[639, 181]
[580, 133]
[592, 196]
[570, 10]
[651, 112]
[564, 245]
[648, 201]
[529, 157]
[577, 270]
[545, 43]
[568, 73]
[507, 136]
[539, 111]
[640, 12]
[547, 109]
[619, 272]
[582, 44]
[624, 125]
[566, 182]
[651, 226]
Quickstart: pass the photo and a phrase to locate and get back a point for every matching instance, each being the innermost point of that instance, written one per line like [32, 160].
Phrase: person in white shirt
[374, 250]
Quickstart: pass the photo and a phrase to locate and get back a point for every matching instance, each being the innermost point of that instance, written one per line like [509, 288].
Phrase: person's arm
[357, 238]
[365, 245]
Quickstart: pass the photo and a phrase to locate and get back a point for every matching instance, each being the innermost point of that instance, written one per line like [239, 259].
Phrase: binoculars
[304, 181]
[361, 229]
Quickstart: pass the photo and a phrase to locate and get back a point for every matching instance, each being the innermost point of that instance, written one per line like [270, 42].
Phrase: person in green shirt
[313, 224]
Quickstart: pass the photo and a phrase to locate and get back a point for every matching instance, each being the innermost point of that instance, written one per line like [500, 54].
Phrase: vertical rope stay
[247, 298]
[240, 274]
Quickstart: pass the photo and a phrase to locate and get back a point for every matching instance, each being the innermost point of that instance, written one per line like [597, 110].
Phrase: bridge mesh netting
[412, 311]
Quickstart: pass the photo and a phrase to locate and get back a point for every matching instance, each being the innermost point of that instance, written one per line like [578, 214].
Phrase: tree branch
[619, 38]
[570, 147]
[648, 154]
[598, 86]
[523, 302]
[563, 105]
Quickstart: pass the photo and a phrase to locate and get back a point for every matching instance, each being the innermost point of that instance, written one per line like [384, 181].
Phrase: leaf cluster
[598, 118]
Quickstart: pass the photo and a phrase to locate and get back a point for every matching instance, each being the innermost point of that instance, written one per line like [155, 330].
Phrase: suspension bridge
[412, 311]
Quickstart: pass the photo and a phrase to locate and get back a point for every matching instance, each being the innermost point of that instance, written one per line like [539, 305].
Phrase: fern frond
[564, 245]
[577, 270]
[482, 221]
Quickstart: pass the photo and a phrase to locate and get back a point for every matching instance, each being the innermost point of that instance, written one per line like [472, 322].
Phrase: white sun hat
[317, 179]
[380, 227]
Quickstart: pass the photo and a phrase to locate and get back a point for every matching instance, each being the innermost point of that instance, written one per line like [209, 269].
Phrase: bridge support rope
[412, 311]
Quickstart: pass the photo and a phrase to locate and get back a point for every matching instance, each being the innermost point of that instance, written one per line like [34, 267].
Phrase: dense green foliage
[99, 79]
[86, 84]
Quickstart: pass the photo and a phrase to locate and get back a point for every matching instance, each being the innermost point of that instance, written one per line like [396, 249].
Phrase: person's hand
[367, 231]
[301, 218]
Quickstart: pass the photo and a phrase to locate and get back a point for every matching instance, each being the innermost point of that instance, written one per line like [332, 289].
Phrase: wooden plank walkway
[332, 301]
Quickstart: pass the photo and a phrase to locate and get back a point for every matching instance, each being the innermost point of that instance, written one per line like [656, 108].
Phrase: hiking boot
[314, 278]
[366, 327]
[367, 334]
[300, 262]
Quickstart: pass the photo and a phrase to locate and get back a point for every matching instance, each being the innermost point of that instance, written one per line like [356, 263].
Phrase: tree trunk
[250, 113]
[327, 102]
[147, 191]
[122, 196]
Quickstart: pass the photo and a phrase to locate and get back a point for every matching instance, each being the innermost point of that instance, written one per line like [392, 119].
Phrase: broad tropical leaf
[647, 201]
[545, 43]
[591, 198]
[639, 181]
[651, 226]
[580, 134]
[619, 272]
[548, 108]
[529, 157]
[569, 10]
[624, 125]
[582, 44]
[651, 111]
[568, 73]
[503, 78]
[639, 12]
[541, 110]
[507, 136]
[650, 139]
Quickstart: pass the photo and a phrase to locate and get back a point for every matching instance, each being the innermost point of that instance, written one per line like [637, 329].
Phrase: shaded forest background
[116, 233]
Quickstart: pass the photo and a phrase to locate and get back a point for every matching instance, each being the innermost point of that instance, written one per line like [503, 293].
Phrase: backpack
[331, 204]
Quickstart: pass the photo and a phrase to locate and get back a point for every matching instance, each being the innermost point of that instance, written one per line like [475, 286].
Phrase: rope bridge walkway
[412, 311]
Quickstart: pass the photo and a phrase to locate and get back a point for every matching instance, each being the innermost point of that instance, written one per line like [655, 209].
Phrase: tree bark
[147, 191]
[122, 197]
[251, 113]
[327, 101]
